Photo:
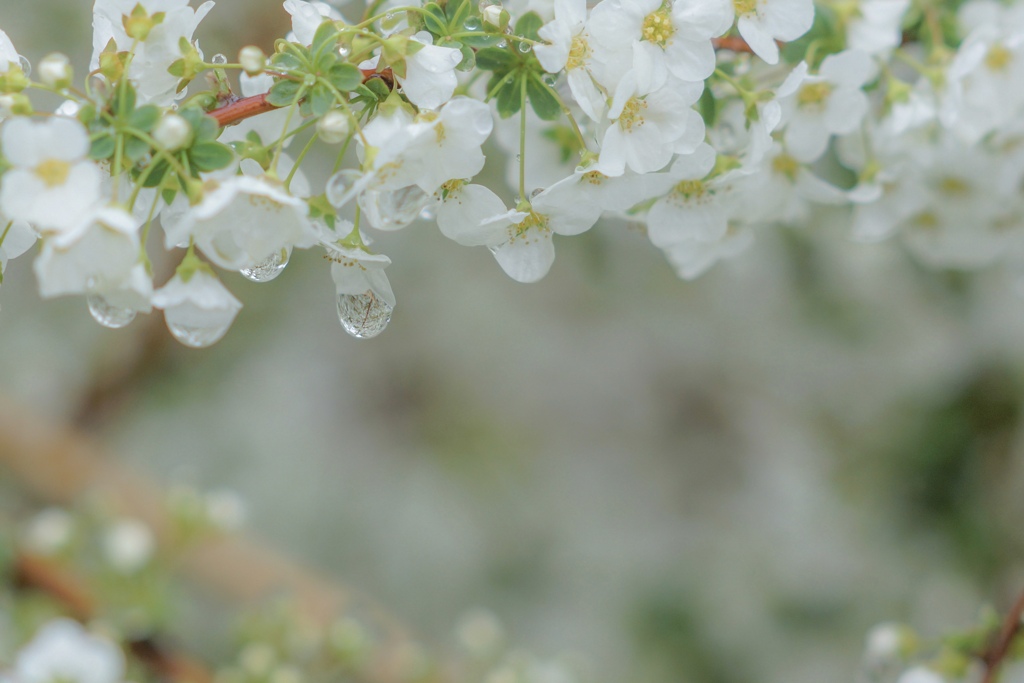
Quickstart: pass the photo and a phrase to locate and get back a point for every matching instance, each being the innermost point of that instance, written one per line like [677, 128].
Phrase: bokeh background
[722, 481]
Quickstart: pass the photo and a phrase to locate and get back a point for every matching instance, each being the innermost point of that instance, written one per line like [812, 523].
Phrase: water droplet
[536, 192]
[472, 24]
[519, 158]
[309, 80]
[269, 268]
[340, 186]
[550, 80]
[108, 315]
[394, 209]
[26, 66]
[502, 45]
[525, 48]
[363, 316]
[389, 16]
[428, 213]
[344, 51]
[197, 337]
[219, 59]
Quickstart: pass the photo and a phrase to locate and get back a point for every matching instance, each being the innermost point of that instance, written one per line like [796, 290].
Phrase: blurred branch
[58, 465]
[995, 655]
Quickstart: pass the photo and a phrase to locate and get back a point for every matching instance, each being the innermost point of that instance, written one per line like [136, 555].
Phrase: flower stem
[565, 110]
[522, 144]
[298, 162]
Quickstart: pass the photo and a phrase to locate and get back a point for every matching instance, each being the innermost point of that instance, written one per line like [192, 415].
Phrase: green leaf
[177, 68]
[435, 20]
[543, 101]
[510, 97]
[135, 148]
[708, 106]
[345, 77]
[145, 118]
[457, 11]
[326, 35]
[468, 62]
[321, 99]
[210, 156]
[124, 100]
[288, 61]
[102, 147]
[379, 88]
[482, 41]
[528, 26]
[285, 93]
[156, 176]
[495, 59]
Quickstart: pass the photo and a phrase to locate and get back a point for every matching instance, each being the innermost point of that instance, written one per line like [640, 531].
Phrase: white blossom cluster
[702, 120]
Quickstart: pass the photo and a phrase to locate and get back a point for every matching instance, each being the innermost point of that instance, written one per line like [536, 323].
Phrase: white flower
[243, 220]
[920, 674]
[198, 309]
[762, 22]
[656, 38]
[877, 27]
[63, 651]
[172, 132]
[474, 216]
[225, 509]
[16, 237]
[157, 52]
[570, 48]
[783, 189]
[692, 258]
[649, 127]
[99, 253]
[365, 298]
[307, 17]
[430, 79]
[55, 70]
[884, 643]
[51, 185]
[128, 545]
[693, 209]
[447, 144]
[832, 102]
[8, 55]
[49, 531]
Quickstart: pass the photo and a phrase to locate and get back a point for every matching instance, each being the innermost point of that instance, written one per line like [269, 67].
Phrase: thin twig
[995, 655]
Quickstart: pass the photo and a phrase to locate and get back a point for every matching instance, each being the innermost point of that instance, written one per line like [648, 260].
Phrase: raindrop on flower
[198, 337]
[269, 268]
[339, 187]
[107, 314]
[428, 213]
[391, 210]
[472, 24]
[550, 80]
[26, 66]
[363, 316]
[219, 59]
[525, 48]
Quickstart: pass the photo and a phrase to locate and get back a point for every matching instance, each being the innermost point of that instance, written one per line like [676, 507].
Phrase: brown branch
[995, 655]
[732, 43]
[248, 107]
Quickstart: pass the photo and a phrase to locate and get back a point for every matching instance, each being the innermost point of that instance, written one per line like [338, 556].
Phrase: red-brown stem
[248, 107]
[732, 43]
[995, 655]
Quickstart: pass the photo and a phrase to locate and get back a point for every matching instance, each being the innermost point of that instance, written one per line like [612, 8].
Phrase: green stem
[565, 110]
[522, 144]
[298, 162]
[6, 230]
[341, 155]
[145, 231]
[161, 152]
[287, 122]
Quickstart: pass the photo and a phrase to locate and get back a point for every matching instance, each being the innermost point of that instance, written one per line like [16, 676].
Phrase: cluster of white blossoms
[704, 121]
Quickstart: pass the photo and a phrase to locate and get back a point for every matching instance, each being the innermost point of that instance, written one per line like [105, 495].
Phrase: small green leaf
[457, 11]
[102, 147]
[528, 26]
[145, 118]
[210, 156]
[543, 101]
[285, 93]
[379, 88]
[124, 100]
[287, 61]
[326, 36]
[510, 97]
[708, 106]
[468, 62]
[156, 176]
[435, 20]
[135, 148]
[345, 77]
[321, 99]
[495, 59]
[489, 40]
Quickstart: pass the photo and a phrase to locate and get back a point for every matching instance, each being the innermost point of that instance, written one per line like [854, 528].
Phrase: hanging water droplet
[550, 80]
[107, 314]
[525, 47]
[197, 337]
[428, 213]
[344, 51]
[389, 16]
[219, 59]
[363, 316]
[503, 44]
[340, 187]
[391, 210]
[26, 66]
[472, 24]
[269, 268]
[519, 158]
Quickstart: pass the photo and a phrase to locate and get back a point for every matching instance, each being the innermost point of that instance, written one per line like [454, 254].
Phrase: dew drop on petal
[428, 213]
[269, 268]
[396, 208]
[107, 314]
[219, 59]
[197, 337]
[339, 186]
[26, 66]
[363, 316]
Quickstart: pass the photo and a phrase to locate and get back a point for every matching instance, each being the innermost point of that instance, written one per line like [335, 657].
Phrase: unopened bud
[492, 15]
[55, 70]
[333, 127]
[252, 60]
[172, 132]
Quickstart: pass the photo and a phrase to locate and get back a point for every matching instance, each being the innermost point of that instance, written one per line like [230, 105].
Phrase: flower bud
[252, 60]
[55, 70]
[492, 15]
[333, 127]
[172, 132]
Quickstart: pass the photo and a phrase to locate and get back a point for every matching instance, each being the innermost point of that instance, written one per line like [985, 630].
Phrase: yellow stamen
[53, 172]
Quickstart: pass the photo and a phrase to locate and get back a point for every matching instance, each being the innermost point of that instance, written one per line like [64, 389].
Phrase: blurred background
[724, 481]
